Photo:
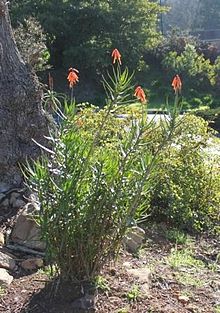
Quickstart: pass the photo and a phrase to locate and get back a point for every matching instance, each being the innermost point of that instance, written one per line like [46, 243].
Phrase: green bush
[212, 116]
[31, 42]
[196, 62]
[186, 189]
[91, 186]
[85, 31]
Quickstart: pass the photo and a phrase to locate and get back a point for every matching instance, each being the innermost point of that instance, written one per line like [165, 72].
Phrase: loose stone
[5, 278]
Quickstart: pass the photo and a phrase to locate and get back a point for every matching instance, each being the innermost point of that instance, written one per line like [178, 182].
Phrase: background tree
[208, 16]
[84, 32]
[191, 15]
[182, 14]
[21, 115]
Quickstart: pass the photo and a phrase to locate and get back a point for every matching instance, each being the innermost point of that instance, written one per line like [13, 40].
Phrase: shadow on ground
[62, 297]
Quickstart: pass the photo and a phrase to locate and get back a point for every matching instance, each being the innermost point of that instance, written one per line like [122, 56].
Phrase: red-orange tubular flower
[116, 55]
[177, 83]
[73, 77]
[140, 94]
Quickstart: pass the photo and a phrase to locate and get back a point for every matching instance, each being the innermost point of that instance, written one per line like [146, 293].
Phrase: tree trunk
[21, 115]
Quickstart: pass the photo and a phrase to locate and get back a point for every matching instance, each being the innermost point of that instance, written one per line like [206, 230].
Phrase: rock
[27, 232]
[134, 239]
[144, 277]
[14, 196]
[32, 208]
[131, 245]
[216, 297]
[85, 303]
[2, 195]
[183, 299]
[142, 274]
[145, 289]
[33, 198]
[5, 278]
[191, 308]
[4, 187]
[18, 203]
[137, 233]
[5, 202]
[7, 261]
[127, 265]
[32, 264]
[2, 239]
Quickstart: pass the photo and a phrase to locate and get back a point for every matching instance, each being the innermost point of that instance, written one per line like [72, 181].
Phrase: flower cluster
[139, 93]
[177, 84]
[116, 55]
[73, 77]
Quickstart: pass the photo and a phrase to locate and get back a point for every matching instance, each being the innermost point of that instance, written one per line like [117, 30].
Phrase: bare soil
[181, 289]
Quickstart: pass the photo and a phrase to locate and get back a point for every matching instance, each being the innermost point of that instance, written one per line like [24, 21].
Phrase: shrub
[212, 116]
[196, 62]
[31, 42]
[185, 193]
[192, 63]
[92, 184]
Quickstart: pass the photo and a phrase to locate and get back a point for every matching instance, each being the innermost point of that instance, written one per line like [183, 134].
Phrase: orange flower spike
[177, 83]
[73, 77]
[140, 94]
[116, 55]
[137, 90]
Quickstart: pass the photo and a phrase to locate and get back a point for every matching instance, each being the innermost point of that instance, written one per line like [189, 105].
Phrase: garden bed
[184, 277]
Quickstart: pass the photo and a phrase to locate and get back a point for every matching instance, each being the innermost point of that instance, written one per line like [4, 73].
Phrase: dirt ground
[183, 278]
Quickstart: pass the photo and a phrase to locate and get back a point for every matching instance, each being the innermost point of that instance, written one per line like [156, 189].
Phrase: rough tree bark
[21, 114]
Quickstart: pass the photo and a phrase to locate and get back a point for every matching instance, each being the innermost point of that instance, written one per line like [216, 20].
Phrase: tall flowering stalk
[177, 84]
[116, 55]
[177, 87]
[140, 94]
[52, 100]
[73, 79]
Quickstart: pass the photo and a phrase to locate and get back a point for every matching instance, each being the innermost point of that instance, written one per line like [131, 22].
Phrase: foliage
[31, 42]
[208, 15]
[176, 236]
[189, 279]
[123, 310]
[212, 116]
[192, 15]
[175, 40]
[2, 291]
[217, 309]
[183, 258]
[185, 193]
[102, 284]
[196, 62]
[86, 31]
[182, 14]
[101, 25]
[90, 187]
[192, 63]
[134, 293]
